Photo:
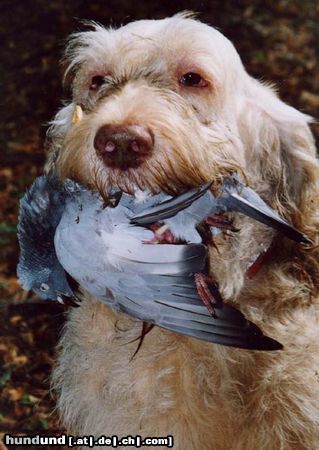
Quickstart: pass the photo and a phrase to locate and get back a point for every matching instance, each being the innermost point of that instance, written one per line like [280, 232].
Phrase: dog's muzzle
[123, 147]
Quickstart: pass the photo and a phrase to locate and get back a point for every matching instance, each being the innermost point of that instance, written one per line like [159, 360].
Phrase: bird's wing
[171, 207]
[246, 201]
[81, 249]
[164, 259]
[172, 302]
[234, 197]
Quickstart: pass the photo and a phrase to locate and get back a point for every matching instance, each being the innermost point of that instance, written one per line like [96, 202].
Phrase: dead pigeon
[66, 233]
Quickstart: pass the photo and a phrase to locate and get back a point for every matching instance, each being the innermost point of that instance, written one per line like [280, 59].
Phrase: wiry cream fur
[207, 396]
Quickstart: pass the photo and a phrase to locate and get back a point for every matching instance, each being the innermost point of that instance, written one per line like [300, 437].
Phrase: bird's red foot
[208, 292]
[162, 234]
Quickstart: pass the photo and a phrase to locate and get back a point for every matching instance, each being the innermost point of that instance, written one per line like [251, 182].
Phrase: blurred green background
[277, 41]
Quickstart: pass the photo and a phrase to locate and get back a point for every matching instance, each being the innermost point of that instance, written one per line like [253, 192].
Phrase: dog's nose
[123, 147]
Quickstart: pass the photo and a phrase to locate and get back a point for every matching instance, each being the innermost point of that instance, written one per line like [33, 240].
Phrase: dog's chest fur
[206, 396]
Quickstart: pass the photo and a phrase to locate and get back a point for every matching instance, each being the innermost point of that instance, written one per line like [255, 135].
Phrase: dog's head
[167, 104]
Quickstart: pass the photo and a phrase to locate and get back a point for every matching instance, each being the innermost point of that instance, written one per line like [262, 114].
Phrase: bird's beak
[69, 300]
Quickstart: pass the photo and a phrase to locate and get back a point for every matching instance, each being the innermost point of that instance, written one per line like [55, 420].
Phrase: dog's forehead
[167, 35]
[168, 40]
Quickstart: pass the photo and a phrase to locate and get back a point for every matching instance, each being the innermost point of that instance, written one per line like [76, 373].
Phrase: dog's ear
[280, 149]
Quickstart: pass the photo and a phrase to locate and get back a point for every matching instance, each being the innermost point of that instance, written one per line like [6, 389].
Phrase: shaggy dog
[163, 105]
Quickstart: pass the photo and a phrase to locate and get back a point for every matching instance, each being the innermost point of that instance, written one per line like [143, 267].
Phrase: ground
[277, 41]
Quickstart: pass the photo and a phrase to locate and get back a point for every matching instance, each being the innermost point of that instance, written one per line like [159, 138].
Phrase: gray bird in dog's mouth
[68, 238]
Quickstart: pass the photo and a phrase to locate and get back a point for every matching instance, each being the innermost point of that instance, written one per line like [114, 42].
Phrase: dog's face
[154, 110]
[167, 104]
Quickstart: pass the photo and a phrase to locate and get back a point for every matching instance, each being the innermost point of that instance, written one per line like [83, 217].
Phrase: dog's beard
[153, 175]
[146, 178]
[156, 175]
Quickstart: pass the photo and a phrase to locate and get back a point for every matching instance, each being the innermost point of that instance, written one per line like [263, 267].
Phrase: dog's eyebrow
[133, 74]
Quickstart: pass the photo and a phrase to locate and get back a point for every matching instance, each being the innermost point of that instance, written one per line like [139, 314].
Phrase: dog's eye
[96, 82]
[192, 79]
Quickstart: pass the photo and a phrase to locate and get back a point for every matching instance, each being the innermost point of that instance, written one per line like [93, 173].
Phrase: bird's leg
[208, 292]
[162, 234]
[219, 221]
